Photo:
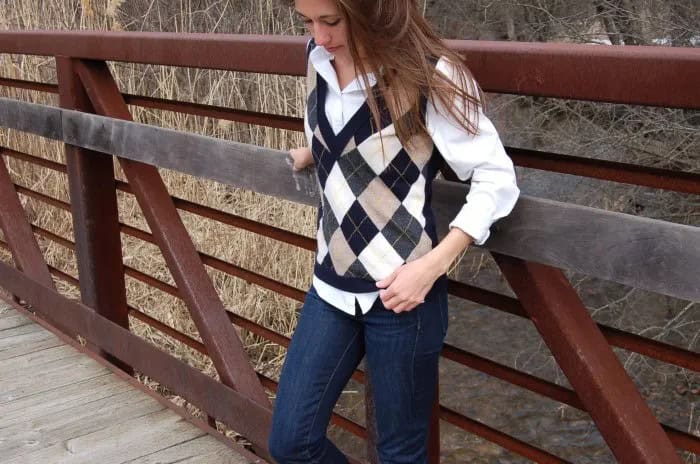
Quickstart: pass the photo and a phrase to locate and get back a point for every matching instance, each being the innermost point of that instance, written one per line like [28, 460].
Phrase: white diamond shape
[338, 193]
[371, 149]
[321, 243]
[379, 258]
[415, 200]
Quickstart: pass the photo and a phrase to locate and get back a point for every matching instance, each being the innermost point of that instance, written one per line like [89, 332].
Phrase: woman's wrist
[440, 258]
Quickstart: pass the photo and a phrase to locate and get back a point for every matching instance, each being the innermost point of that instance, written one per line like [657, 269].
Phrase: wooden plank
[118, 442]
[11, 332]
[38, 359]
[644, 253]
[46, 123]
[41, 434]
[29, 343]
[201, 450]
[219, 401]
[11, 319]
[60, 399]
[25, 381]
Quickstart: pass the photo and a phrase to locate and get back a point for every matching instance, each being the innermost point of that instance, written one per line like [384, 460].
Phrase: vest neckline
[336, 142]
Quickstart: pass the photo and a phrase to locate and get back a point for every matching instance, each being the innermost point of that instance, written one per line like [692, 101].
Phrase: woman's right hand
[302, 158]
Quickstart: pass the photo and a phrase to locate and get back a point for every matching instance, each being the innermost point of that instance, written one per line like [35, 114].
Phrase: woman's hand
[408, 285]
[302, 158]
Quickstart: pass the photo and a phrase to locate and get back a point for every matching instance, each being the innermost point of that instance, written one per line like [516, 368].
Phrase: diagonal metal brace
[223, 345]
[600, 381]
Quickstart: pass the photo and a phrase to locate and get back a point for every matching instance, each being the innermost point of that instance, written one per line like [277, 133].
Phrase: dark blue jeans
[402, 352]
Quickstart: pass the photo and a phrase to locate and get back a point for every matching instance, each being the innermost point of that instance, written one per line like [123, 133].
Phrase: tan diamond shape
[379, 202]
[342, 255]
[423, 247]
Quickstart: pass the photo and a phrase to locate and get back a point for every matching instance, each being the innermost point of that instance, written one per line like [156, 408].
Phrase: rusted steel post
[208, 313]
[19, 236]
[608, 394]
[95, 216]
[18, 232]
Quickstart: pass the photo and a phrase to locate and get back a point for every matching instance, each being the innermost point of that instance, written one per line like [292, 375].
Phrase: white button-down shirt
[493, 190]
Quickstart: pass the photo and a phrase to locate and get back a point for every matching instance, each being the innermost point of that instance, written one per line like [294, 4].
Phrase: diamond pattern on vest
[372, 214]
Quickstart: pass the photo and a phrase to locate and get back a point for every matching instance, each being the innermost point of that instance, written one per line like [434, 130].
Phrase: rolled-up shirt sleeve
[481, 157]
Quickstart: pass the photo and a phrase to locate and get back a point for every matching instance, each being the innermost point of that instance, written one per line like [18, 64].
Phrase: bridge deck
[58, 405]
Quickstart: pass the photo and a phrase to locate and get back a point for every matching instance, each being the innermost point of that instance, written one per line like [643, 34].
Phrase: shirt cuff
[475, 219]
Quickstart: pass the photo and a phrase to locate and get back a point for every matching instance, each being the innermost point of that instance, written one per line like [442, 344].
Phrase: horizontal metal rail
[544, 388]
[621, 339]
[572, 71]
[666, 179]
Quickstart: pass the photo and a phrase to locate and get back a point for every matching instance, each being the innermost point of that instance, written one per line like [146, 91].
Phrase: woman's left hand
[408, 285]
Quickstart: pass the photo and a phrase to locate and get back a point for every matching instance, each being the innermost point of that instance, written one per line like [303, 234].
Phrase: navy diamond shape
[358, 228]
[401, 173]
[403, 232]
[356, 171]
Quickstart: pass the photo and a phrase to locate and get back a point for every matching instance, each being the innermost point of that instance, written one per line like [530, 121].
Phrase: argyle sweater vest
[375, 212]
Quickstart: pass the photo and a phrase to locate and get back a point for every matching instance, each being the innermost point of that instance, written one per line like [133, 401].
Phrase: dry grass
[273, 94]
[259, 254]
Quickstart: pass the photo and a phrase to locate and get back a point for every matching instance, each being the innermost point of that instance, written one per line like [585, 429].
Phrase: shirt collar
[321, 58]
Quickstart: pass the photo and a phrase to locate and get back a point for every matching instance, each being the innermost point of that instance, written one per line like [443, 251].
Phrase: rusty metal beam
[601, 383]
[245, 415]
[550, 390]
[621, 339]
[574, 71]
[95, 216]
[18, 232]
[225, 347]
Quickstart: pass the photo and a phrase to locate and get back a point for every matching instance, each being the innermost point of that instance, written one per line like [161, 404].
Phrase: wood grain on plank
[118, 442]
[59, 406]
[201, 450]
[60, 399]
[60, 426]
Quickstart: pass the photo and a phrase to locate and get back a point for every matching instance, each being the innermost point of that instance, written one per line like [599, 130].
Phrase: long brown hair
[393, 38]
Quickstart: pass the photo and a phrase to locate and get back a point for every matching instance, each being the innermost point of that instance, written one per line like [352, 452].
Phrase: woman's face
[326, 24]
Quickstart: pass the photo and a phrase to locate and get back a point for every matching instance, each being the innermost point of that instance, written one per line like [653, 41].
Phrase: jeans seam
[413, 366]
[318, 405]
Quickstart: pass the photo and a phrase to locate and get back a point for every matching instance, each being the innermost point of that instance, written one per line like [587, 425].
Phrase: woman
[379, 288]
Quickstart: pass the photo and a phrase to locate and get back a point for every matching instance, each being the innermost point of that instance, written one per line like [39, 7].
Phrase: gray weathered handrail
[640, 252]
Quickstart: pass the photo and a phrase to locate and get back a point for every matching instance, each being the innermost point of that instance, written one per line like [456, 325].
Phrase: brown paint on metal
[225, 347]
[95, 216]
[244, 414]
[219, 112]
[28, 85]
[496, 436]
[236, 221]
[36, 160]
[632, 342]
[18, 232]
[619, 411]
[684, 182]
[585, 72]
[629, 341]
[553, 391]
[544, 69]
